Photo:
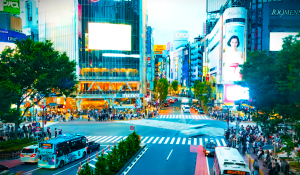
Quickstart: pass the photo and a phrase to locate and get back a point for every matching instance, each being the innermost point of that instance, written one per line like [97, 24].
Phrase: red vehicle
[171, 101]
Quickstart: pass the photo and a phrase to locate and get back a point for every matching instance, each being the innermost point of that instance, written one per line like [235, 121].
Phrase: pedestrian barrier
[88, 160]
[96, 154]
[10, 155]
[80, 165]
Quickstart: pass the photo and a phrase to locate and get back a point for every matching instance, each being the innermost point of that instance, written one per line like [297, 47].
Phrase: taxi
[29, 154]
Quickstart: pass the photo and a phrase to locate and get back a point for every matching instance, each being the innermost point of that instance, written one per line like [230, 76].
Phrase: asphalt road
[169, 137]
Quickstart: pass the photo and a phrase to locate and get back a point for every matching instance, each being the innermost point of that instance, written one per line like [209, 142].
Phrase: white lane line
[189, 141]
[122, 139]
[167, 140]
[118, 138]
[164, 116]
[150, 139]
[105, 139]
[93, 138]
[111, 139]
[167, 116]
[88, 137]
[143, 141]
[92, 165]
[223, 141]
[100, 138]
[208, 172]
[155, 140]
[180, 116]
[169, 154]
[161, 140]
[200, 141]
[206, 139]
[172, 141]
[183, 141]
[195, 141]
[218, 143]
[178, 140]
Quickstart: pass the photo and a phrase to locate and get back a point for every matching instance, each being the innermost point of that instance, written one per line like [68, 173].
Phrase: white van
[184, 102]
[29, 154]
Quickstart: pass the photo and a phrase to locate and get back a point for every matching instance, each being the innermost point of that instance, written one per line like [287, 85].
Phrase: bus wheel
[61, 164]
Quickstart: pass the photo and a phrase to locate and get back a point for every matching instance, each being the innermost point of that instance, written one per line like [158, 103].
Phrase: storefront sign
[131, 95]
[282, 12]
[52, 104]
[10, 36]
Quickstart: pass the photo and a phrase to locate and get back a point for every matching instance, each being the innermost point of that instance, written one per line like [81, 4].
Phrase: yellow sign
[159, 48]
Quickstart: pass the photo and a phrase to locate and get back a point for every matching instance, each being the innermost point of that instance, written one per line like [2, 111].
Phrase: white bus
[229, 161]
[57, 152]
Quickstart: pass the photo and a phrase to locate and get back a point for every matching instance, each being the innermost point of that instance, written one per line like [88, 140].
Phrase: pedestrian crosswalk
[159, 140]
[182, 117]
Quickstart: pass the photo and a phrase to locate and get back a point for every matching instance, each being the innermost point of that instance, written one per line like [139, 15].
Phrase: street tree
[101, 165]
[161, 91]
[203, 92]
[174, 85]
[86, 170]
[34, 70]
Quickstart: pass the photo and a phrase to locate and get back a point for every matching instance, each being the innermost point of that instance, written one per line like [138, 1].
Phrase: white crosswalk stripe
[160, 140]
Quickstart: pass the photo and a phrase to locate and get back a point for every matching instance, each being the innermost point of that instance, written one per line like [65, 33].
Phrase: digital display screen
[276, 39]
[46, 146]
[236, 92]
[236, 172]
[104, 36]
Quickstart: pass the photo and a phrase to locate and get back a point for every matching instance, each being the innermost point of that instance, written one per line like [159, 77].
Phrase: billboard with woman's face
[234, 52]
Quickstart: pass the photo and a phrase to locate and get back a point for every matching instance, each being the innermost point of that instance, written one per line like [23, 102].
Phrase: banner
[11, 6]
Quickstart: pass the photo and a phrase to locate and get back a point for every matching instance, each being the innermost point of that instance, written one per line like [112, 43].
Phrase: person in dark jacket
[273, 171]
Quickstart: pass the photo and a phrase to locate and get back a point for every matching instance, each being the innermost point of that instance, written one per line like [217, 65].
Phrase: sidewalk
[249, 159]
[11, 163]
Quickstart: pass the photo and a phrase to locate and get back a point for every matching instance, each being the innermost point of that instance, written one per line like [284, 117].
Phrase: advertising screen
[236, 92]
[11, 6]
[234, 52]
[104, 36]
[276, 39]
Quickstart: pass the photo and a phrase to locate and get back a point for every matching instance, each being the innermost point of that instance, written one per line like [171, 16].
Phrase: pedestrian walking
[55, 132]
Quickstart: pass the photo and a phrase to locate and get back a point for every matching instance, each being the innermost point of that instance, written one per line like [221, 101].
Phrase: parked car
[166, 104]
[171, 100]
[92, 146]
[186, 109]
[29, 154]
[209, 147]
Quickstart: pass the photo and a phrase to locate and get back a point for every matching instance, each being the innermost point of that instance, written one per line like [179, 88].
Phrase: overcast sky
[165, 16]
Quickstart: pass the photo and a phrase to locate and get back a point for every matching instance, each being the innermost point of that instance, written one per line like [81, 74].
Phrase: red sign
[131, 127]
[135, 105]
[43, 107]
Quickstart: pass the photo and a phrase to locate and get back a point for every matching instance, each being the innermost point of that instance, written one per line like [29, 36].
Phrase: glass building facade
[107, 78]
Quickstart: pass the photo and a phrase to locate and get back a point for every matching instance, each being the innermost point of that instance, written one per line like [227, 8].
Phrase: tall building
[107, 40]
[196, 66]
[150, 60]
[29, 16]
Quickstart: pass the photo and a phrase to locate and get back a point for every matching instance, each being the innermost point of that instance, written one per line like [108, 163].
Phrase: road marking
[92, 165]
[223, 141]
[208, 173]
[167, 140]
[122, 139]
[206, 139]
[189, 141]
[98, 139]
[200, 141]
[150, 139]
[180, 116]
[93, 138]
[195, 141]
[161, 140]
[94, 160]
[105, 139]
[169, 154]
[155, 140]
[29, 172]
[172, 141]
[118, 138]
[218, 143]
[111, 139]
[145, 139]
[178, 140]
[183, 141]
[167, 116]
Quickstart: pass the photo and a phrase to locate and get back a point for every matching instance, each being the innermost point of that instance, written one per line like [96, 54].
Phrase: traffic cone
[80, 165]
[114, 143]
[78, 170]
[108, 147]
[103, 150]
[88, 160]
[96, 154]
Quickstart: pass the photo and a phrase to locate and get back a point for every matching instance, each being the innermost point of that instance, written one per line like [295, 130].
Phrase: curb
[251, 159]
[124, 170]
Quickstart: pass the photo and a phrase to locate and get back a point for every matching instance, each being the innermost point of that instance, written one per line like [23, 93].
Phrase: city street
[169, 137]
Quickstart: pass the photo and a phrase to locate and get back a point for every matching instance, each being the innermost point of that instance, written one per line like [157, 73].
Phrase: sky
[166, 16]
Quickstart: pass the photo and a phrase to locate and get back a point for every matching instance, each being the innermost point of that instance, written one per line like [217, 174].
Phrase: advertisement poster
[236, 92]
[11, 6]
[234, 53]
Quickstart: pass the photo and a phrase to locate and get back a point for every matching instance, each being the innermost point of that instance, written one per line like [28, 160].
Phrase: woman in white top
[233, 58]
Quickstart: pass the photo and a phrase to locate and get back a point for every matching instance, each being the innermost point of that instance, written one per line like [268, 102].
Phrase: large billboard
[104, 36]
[10, 6]
[180, 35]
[236, 92]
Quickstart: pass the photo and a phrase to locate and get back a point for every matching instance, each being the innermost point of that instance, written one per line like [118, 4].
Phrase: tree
[154, 84]
[86, 170]
[161, 91]
[113, 161]
[203, 92]
[101, 165]
[35, 69]
[174, 85]
[122, 153]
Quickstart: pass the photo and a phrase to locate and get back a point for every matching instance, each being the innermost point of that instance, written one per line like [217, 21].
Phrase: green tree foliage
[154, 84]
[86, 170]
[174, 85]
[101, 165]
[288, 141]
[34, 69]
[161, 91]
[117, 158]
[203, 92]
